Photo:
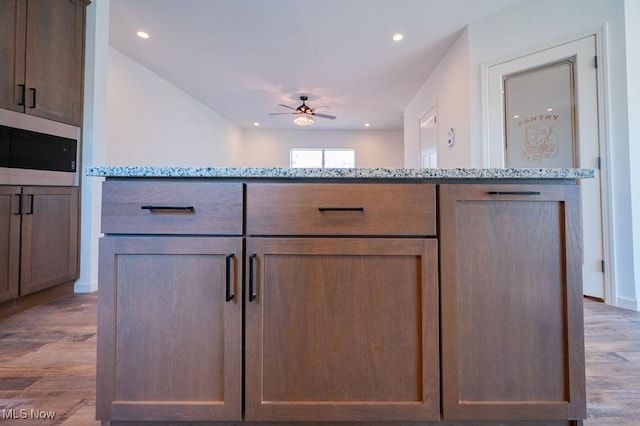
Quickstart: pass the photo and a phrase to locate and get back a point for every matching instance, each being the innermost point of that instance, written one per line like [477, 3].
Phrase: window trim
[322, 150]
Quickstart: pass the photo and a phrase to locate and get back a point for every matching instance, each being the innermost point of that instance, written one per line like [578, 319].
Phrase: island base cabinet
[170, 329]
[352, 423]
[511, 300]
[341, 329]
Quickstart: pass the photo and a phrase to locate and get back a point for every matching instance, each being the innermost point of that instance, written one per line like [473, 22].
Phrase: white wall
[448, 87]
[374, 148]
[153, 123]
[93, 141]
[528, 27]
[632, 17]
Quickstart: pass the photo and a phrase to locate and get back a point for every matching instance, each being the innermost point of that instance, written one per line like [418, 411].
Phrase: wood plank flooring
[612, 346]
[47, 363]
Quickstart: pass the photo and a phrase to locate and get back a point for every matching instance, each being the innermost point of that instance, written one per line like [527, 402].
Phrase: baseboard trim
[628, 303]
[85, 287]
[25, 302]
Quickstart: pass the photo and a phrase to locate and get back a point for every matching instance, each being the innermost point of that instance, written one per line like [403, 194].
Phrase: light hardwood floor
[47, 363]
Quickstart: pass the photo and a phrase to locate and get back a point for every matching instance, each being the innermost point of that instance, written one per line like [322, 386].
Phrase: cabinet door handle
[229, 296]
[513, 192]
[23, 93]
[33, 97]
[184, 209]
[341, 209]
[252, 287]
[19, 212]
[31, 197]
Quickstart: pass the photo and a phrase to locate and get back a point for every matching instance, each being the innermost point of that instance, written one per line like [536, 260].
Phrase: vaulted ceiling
[244, 57]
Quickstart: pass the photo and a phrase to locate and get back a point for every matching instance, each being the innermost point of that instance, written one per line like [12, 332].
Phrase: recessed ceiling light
[256, 124]
[367, 124]
[516, 116]
[549, 109]
[397, 37]
[142, 34]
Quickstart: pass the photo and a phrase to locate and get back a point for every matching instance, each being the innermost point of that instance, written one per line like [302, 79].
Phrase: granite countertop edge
[356, 173]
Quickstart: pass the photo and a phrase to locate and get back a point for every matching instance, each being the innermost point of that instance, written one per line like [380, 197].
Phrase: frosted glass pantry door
[539, 116]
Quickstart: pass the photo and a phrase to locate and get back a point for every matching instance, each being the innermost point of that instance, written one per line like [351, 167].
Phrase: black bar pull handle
[31, 197]
[184, 209]
[341, 209]
[230, 295]
[23, 89]
[513, 192]
[252, 286]
[19, 212]
[33, 97]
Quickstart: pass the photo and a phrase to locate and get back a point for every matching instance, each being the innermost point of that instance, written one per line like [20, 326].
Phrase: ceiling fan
[304, 113]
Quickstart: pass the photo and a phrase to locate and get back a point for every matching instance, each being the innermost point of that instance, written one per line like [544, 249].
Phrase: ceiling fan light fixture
[303, 119]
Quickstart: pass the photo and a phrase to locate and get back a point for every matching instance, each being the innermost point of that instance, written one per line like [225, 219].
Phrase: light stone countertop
[357, 173]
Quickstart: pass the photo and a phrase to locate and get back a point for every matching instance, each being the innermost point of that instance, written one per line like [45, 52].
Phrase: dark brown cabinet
[49, 250]
[42, 248]
[287, 302]
[41, 51]
[9, 243]
[342, 314]
[170, 302]
[13, 17]
[512, 325]
[342, 329]
[170, 318]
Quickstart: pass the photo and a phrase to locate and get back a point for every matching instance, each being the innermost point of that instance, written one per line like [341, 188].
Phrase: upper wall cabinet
[41, 52]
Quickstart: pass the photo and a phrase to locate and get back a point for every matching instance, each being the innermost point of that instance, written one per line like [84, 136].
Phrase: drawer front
[341, 209]
[197, 208]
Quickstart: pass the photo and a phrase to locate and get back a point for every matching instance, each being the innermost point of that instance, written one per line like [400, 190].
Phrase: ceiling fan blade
[330, 117]
[287, 106]
[281, 113]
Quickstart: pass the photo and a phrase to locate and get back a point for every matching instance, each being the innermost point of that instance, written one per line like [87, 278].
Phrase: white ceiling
[244, 57]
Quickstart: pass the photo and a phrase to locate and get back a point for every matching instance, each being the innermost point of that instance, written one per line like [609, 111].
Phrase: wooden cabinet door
[12, 54]
[54, 59]
[169, 340]
[511, 300]
[9, 242]
[49, 251]
[341, 329]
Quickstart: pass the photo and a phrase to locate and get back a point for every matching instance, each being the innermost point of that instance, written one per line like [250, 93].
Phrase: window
[322, 158]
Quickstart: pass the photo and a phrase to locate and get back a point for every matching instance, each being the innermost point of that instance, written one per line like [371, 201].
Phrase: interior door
[585, 143]
[429, 139]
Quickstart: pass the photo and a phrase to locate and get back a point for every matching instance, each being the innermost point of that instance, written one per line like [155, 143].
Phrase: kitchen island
[434, 296]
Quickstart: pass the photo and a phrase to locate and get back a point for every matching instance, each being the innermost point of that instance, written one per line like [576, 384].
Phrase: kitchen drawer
[341, 209]
[164, 207]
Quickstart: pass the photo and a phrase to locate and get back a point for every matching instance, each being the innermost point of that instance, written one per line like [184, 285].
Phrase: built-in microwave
[34, 151]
